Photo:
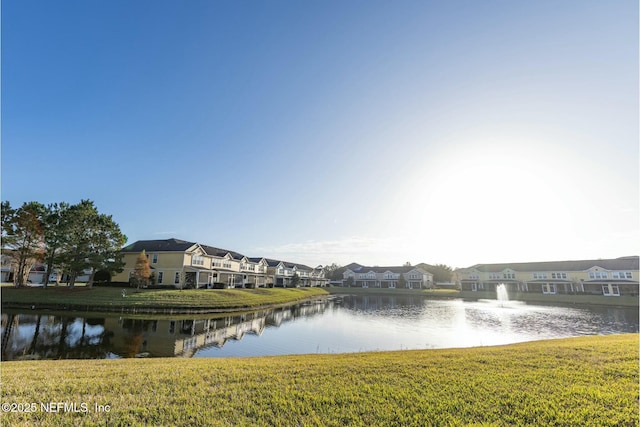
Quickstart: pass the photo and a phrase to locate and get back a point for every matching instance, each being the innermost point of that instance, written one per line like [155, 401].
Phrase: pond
[330, 325]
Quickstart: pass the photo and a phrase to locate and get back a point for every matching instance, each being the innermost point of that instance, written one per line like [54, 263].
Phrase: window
[610, 290]
[558, 275]
[190, 343]
[176, 279]
[197, 260]
[539, 275]
[160, 277]
[474, 276]
[598, 275]
[622, 275]
[509, 275]
[495, 276]
[154, 260]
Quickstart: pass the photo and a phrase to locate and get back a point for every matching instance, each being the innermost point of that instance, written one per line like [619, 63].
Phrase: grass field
[587, 381]
[84, 298]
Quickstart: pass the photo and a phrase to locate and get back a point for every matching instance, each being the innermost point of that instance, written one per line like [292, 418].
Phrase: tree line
[67, 238]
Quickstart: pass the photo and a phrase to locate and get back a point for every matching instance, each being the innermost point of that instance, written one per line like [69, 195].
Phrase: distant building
[608, 277]
[408, 277]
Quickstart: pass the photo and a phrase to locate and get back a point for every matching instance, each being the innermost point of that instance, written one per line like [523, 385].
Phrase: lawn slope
[151, 300]
[570, 382]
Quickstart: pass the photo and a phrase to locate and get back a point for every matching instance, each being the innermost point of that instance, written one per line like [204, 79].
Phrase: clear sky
[378, 132]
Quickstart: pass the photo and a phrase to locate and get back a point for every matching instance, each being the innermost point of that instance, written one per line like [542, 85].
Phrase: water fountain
[501, 293]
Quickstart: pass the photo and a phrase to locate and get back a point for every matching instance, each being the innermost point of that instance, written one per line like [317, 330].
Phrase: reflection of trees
[54, 337]
[58, 337]
[8, 323]
[134, 340]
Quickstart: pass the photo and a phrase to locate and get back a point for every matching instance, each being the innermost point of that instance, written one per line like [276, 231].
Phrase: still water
[331, 325]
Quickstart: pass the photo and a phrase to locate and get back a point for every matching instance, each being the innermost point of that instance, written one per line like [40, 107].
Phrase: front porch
[196, 278]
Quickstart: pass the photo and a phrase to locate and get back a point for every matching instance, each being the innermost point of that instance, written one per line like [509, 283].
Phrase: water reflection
[45, 336]
[332, 325]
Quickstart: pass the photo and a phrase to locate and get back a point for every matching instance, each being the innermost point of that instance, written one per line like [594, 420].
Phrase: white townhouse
[606, 277]
[387, 277]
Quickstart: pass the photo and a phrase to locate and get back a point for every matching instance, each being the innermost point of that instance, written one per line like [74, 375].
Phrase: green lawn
[97, 298]
[587, 381]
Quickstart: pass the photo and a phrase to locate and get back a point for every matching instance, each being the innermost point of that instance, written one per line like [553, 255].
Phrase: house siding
[609, 277]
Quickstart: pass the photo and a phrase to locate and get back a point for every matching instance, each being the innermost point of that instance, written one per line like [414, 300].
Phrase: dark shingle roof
[272, 262]
[168, 245]
[624, 263]
[275, 262]
[210, 250]
[357, 268]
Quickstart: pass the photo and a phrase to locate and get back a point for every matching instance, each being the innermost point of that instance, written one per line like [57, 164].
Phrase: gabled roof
[354, 266]
[287, 264]
[273, 262]
[624, 263]
[301, 266]
[168, 245]
[218, 252]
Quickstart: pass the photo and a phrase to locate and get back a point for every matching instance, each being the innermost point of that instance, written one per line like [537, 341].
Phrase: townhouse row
[387, 277]
[607, 277]
[183, 264]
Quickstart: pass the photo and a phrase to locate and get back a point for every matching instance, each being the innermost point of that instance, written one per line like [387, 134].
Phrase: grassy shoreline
[175, 302]
[171, 301]
[576, 381]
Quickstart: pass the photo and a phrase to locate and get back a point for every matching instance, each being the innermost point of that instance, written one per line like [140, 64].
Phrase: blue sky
[322, 131]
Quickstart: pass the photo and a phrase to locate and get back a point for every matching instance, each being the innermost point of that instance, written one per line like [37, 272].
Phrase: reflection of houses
[168, 338]
[180, 263]
[387, 277]
[608, 277]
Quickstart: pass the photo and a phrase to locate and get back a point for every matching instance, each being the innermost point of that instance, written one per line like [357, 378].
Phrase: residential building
[282, 273]
[387, 277]
[608, 277]
[184, 264]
